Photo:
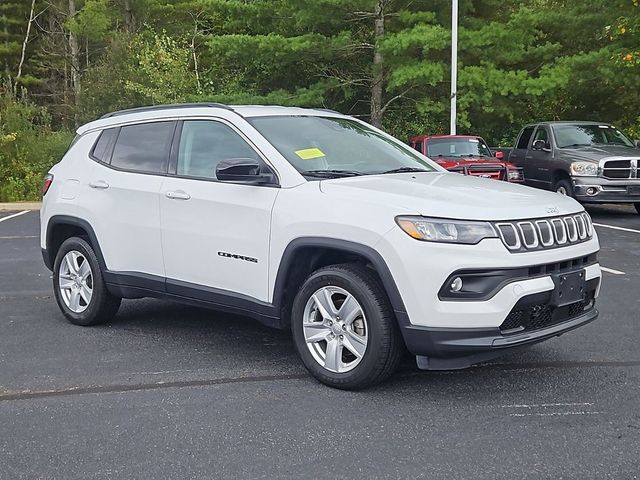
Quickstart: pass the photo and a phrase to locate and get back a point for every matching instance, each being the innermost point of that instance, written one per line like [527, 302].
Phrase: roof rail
[152, 108]
[327, 110]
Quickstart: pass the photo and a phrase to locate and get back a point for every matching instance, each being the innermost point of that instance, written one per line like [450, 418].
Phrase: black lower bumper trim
[454, 348]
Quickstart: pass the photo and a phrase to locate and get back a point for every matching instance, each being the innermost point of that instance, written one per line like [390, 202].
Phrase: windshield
[457, 147]
[323, 146]
[586, 135]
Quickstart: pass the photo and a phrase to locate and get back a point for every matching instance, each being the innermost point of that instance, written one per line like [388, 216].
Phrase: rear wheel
[79, 287]
[563, 187]
[637, 205]
[344, 328]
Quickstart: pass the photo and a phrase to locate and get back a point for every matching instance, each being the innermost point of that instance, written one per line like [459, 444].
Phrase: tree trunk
[74, 52]
[129, 24]
[25, 43]
[377, 83]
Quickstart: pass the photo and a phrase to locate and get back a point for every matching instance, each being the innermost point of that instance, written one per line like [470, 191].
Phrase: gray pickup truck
[592, 162]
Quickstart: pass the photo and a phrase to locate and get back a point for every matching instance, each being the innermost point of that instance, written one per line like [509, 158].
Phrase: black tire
[384, 347]
[563, 184]
[103, 305]
[637, 205]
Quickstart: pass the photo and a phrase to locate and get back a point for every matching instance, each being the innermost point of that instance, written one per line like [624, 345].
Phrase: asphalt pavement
[169, 391]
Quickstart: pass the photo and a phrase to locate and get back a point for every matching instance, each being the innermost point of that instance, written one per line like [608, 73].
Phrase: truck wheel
[79, 287]
[344, 328]
[563, 187]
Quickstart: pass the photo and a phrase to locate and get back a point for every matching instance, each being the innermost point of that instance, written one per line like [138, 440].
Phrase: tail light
[515, 175]
[48, 180]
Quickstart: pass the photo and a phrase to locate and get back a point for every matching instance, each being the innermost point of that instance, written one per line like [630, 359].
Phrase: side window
[101, 148]
[204, 144]
[418, 146]
[525, 136]
[143, 148]
[541, 134]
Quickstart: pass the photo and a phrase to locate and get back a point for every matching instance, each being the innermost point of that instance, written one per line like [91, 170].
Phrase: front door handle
[101, 184]
[178, 195]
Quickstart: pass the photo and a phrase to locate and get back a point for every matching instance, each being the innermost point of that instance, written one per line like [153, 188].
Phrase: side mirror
[637, 143]
[540, 145]
[499, 155]
[243, 170]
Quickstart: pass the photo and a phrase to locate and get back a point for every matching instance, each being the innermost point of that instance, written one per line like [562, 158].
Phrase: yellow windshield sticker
[309, 153]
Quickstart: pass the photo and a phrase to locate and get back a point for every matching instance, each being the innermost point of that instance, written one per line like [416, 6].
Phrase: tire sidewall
[88, 316]
[358, 288]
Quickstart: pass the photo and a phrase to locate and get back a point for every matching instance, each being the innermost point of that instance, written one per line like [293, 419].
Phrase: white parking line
[613, 227]
[611, 270]
[539, 405]
[553, 414]
[14, 215]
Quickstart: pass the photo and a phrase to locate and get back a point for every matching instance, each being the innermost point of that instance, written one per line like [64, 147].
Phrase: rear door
[519, 154]
[131, 162]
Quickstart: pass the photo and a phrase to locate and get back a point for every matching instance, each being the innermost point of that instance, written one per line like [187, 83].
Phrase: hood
[596, 153]
[450, 195]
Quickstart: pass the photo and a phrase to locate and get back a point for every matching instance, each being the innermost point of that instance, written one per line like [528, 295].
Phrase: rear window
[525, 136]
[100, 150]
[143, 148]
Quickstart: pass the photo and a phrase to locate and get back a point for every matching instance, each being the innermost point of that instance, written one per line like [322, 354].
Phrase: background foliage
[65, 62]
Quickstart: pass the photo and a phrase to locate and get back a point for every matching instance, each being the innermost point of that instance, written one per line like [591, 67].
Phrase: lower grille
[540, 316]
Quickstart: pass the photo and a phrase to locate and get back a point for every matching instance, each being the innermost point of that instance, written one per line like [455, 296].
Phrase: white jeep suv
[316, 221]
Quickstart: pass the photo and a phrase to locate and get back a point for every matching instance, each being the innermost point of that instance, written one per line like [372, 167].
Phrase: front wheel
[637, 205]
[563, 187]
[344, 328]
[79, 287]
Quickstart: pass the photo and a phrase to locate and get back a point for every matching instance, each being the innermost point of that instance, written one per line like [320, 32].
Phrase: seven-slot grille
[539, 234]
[623, 168]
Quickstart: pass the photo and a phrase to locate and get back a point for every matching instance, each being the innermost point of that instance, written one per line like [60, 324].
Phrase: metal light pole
[454, 63]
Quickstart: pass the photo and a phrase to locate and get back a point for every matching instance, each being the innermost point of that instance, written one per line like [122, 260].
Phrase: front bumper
[451, 349]
[534, 318]
[446, 333]
[603, 190]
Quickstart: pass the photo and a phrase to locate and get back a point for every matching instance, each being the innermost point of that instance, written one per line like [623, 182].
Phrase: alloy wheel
[335, 329]
[75, 281]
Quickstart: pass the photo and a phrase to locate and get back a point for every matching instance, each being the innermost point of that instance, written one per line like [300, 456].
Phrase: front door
[539, 159]
[215, 235]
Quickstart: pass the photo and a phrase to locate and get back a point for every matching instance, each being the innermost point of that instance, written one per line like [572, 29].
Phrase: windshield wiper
[331, 173]
[577, 145]
[405, 169]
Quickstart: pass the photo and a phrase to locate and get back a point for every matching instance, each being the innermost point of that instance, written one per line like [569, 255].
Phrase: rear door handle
[101, 184]
[178, 195]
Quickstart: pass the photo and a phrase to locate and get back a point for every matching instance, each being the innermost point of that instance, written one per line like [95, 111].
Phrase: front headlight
[446, 231]
[584, 169]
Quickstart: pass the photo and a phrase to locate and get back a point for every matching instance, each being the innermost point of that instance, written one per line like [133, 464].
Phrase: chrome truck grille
[545, 233]
[620, 168]
[495, 171]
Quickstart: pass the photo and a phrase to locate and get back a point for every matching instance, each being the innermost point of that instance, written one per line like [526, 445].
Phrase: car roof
[568, 122]
[195, 109]
[442, 135]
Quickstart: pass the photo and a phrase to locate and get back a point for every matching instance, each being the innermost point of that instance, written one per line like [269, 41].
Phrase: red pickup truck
[467, 154]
